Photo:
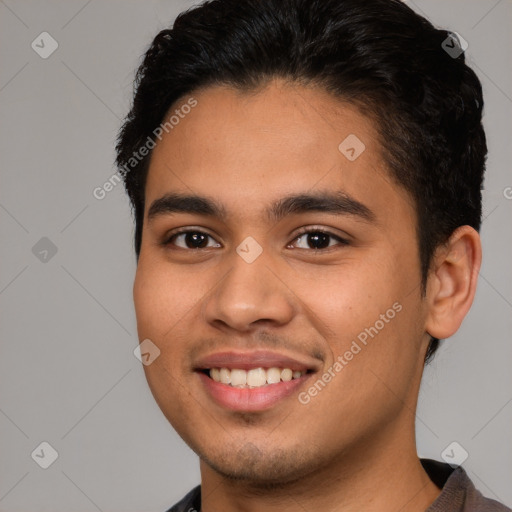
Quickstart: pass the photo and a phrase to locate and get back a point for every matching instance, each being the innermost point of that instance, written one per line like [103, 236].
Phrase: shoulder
[191, 502]
[458, 493]
[476, 502]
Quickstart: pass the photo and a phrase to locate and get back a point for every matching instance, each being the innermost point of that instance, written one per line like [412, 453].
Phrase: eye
[318, 239]
[190, 239]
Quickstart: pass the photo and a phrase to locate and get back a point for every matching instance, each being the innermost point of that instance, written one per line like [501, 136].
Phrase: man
[305, 177]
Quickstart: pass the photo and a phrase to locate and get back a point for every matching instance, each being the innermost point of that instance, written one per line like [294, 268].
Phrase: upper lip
[255, 359]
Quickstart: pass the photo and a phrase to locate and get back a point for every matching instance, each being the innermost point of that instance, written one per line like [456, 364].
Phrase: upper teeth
[253, 378]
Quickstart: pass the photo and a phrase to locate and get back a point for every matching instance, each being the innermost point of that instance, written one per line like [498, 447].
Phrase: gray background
[68, 375]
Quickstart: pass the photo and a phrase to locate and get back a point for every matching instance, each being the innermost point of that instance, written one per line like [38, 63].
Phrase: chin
[251, 466]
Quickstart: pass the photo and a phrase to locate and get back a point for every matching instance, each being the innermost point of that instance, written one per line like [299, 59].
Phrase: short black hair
[379, 55]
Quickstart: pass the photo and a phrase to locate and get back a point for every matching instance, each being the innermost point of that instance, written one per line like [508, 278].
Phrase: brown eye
[190, 240]
[319, 239]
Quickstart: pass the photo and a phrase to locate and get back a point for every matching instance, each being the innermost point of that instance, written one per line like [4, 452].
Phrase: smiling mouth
[253, 378]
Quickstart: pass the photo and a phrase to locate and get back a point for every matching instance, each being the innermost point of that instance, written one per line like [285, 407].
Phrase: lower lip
[247, 399]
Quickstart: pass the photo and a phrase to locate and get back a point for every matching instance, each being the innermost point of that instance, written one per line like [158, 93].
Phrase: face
[270, 244]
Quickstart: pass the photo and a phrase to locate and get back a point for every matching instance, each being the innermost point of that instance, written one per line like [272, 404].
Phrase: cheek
[162, 303]
[349, 298]
[161, 298]
[370, 307]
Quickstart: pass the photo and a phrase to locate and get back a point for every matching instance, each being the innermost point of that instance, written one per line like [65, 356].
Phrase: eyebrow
[337, 203]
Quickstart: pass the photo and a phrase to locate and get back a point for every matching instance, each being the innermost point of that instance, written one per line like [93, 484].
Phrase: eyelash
[304, 231]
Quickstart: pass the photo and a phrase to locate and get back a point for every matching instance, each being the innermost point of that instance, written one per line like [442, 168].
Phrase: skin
[352, 447]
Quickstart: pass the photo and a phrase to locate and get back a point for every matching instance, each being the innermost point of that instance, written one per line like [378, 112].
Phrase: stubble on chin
[275, 469]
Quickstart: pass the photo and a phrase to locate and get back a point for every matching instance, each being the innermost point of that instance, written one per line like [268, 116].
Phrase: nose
[249, 295]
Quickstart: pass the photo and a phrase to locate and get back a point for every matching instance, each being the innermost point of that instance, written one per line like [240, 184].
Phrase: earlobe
[452, 282]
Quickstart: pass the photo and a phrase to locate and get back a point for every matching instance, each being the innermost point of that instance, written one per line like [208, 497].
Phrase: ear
[451, 284]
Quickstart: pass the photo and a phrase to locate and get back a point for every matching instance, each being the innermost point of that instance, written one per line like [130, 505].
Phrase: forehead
[247, 149]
